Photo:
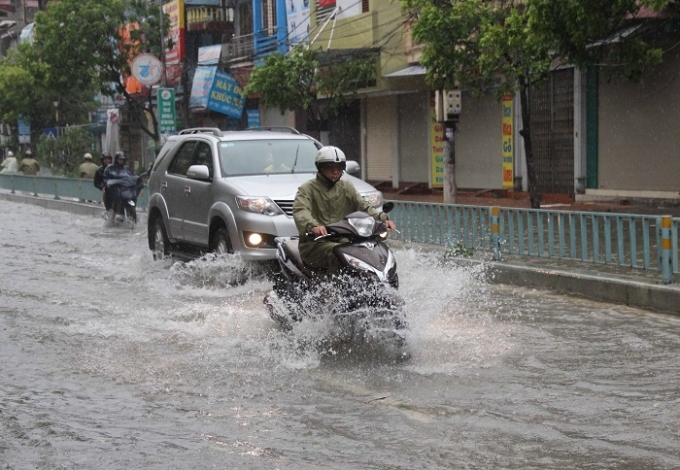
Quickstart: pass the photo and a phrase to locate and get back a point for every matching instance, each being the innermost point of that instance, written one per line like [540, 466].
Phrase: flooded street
[111, 360]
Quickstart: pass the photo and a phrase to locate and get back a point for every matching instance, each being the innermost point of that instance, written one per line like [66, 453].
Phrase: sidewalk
[635, 288]
[551, 202]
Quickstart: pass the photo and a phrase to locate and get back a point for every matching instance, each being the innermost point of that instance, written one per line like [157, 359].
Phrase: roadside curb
[74, 207]
[592, 285]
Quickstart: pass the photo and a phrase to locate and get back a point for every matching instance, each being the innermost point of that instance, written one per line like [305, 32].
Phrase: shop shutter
[381, 138]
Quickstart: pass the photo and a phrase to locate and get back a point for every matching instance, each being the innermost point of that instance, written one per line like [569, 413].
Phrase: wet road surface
[110, 360]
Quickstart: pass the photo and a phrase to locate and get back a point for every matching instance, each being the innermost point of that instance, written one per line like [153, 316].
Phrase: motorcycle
[124, 192]
[363, 302]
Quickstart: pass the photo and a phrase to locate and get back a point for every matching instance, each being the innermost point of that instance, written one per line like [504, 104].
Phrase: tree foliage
[302, 81]
[65, 154]
[81, 43]
[506, 46]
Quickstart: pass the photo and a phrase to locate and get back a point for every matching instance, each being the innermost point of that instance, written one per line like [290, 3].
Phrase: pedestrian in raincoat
[10, 164]
[87, 169]
[29, 166]
[324, 200]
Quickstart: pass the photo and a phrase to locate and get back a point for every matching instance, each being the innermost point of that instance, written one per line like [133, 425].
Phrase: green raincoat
[321, 202]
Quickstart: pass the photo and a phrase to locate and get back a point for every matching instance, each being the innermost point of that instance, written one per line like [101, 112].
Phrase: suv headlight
[259, 205]
[375, 198]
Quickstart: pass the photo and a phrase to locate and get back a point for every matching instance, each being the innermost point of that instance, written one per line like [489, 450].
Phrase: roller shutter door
[381, 138]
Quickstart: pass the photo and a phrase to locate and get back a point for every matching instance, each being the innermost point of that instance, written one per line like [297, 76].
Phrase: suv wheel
[221, 244]
[161, 244]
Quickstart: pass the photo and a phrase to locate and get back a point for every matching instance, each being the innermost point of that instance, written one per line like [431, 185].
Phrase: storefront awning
[410, 71]
[619, 35]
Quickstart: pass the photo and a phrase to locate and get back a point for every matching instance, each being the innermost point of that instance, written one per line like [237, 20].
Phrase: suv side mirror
[353, 167]
[198, 172]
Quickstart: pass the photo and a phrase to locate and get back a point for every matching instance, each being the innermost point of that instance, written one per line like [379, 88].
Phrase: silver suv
[231, 191]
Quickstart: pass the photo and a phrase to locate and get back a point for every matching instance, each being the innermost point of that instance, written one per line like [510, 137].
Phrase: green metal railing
[647, 242]
[80, 189]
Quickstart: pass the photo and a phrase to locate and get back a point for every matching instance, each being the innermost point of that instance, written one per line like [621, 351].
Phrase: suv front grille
[286, 206]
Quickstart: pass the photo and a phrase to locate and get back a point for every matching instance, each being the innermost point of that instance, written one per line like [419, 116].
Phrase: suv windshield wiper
[297, 150]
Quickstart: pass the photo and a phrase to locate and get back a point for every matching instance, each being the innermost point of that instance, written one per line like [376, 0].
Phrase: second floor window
[269, 17]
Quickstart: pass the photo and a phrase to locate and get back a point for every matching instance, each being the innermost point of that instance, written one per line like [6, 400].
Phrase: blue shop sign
[226, 96]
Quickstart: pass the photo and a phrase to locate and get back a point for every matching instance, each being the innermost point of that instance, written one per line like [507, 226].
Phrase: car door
[173, 185]
[199, 198]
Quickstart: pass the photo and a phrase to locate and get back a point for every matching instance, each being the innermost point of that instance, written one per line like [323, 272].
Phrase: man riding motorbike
[116, 170]
[324, 200]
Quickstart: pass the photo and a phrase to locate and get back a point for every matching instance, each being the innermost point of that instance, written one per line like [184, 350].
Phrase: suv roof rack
[292, 130]
[202, 130]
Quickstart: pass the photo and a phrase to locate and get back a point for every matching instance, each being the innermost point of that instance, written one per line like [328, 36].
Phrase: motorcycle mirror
[388, 206]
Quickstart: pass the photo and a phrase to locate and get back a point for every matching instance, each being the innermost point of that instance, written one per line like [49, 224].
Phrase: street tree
[89, 45]
[25, 92]
[509, 46]
[604, 33]
[314, 82]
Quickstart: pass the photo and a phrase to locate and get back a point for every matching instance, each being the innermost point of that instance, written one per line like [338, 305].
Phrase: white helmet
[10, 153]
[330, 154]
[87, 156]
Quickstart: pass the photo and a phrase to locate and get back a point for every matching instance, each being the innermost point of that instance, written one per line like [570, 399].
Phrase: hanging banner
[175, 29]
[166, 111]
[200, 88]
[508, 144]
[436, 148]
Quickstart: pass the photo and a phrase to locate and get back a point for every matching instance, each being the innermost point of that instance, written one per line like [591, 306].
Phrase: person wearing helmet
[324, 200]
[99, 179]
[88, 169]
[29, 165]
[118, 169]
[9, 164]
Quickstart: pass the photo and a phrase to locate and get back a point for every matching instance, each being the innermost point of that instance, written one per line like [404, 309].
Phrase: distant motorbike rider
[99, 178]
[324, 200]
[118, 169]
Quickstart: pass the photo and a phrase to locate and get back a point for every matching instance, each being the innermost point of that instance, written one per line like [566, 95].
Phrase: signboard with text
[166, 111]
[226, 96]
[436, 148]
[175, 28]
[508, 143]
[24, 132]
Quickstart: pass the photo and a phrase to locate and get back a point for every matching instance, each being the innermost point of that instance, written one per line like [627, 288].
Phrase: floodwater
[110, 360]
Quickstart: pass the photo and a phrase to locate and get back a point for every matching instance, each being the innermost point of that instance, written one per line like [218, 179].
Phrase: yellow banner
[508, 147]
[437, 148]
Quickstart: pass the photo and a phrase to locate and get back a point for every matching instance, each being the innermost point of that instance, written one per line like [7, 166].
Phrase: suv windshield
[257, 157]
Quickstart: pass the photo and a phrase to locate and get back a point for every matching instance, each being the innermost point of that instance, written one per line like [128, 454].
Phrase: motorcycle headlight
[260, 205]
[363, 225]
[358, 264]
[375, 198]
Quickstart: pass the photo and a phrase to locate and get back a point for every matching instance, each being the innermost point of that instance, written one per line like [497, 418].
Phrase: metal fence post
[495, 233]
[666, 247]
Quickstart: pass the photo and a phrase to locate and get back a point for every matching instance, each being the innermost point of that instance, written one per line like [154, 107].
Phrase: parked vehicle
[124, 193]
[231, 191]
[364, 301]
